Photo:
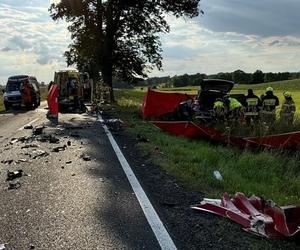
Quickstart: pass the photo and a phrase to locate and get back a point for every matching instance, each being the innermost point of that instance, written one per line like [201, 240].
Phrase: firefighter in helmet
[269, 104]
[253, 104]
[288, 109]
[233, 108]
[219, 110]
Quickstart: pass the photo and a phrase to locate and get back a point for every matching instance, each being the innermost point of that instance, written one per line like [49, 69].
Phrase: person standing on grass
[288, 109]
[253, 104]
[269, 104]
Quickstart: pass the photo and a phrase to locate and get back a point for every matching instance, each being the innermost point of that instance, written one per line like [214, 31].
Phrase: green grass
[1, 103]
[192, 162]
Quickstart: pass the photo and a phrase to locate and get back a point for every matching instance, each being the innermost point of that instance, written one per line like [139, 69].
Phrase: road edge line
[164, 239]
[28, 124]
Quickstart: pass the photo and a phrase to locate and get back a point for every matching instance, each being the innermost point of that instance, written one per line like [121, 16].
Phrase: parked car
[13, 94]
[202, 105]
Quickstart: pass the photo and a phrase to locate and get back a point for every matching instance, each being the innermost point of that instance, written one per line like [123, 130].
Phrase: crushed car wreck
[255, 215]
[172, 112]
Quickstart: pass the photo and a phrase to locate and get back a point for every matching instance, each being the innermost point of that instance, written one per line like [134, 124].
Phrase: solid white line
[33, 121]
[164, 239]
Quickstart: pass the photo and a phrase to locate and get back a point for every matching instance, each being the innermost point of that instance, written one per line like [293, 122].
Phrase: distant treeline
[237, 76]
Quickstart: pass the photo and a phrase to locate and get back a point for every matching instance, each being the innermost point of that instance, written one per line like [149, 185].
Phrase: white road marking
[161, 233]
[33, 121]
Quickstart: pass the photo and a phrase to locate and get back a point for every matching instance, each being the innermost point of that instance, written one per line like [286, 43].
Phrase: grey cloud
[274, 43]
[6, 49]
[263, 18]
[20, 42]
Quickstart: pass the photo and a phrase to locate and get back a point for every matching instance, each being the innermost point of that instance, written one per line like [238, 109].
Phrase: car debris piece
[30, 146]
[13, 141]
[39, 153]
[22, 160]
[256, 215]
[218, 175]
[85, 157]
[7, 162]
[58, 149]
[11, 175]
[24, 138]
[28, 127]
[68, 143]
[48, 138]
[68, 162]
[3, 246]
[38, 130]
[14, 185]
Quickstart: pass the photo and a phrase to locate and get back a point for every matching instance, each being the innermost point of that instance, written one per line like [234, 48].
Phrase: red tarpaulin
[159, 103]
[52, 100]
[255, 215]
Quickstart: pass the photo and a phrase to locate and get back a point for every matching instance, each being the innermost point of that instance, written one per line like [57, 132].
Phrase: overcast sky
[232, 34]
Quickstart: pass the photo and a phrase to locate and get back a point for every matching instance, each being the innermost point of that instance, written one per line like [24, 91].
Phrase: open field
[274, 175]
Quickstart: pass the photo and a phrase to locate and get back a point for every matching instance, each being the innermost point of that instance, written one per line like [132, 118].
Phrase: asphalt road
[65, 202]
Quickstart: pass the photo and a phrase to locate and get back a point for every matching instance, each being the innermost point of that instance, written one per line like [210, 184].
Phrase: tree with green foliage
[258, 77]
[241, 77]
[119, 38]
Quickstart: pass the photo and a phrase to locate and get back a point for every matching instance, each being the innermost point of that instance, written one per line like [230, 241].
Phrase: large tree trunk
[107, 76]
[107, 52]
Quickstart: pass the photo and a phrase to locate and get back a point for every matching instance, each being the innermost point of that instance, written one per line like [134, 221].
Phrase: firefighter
[253, 104]
[27, 95]
[269, 104]
[288, 109]
[233, 108]
[219, 110]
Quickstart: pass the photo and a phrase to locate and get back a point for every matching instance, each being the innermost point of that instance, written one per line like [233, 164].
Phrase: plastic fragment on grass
[256, 215]
[218, 175]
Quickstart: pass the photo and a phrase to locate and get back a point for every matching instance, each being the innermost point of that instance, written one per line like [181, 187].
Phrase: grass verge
[1, 103]
[192, 162]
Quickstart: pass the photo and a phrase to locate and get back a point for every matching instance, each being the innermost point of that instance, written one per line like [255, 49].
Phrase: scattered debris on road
[7, 162]
[2, 246]
[68, 143]
[28, 127]
[48, 138]
[39, 153]
[30, 146]
[68, 162]
[85, 157]
[11, 175]
[58, 149]
[38, 130]
[25, 139]
[255, 215]
[13, 141]
[22, 160]
[14, 185]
